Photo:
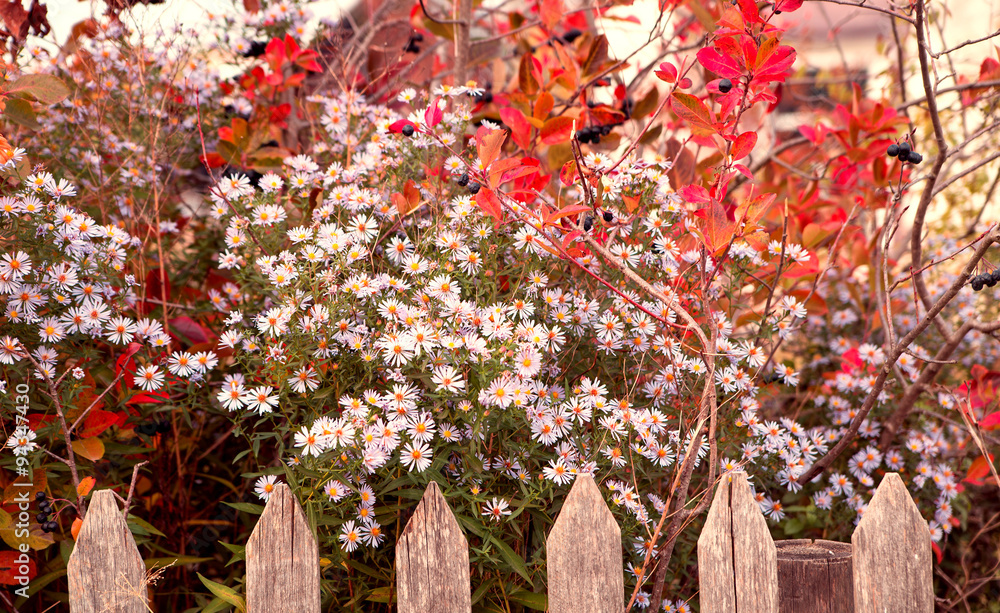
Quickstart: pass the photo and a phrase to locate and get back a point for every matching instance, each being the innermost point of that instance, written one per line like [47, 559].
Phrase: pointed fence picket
[886, 568]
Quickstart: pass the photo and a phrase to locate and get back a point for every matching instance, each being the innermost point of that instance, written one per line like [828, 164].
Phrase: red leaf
[787, 6]
[10, 567]
[125, 361]
[520, 129]
[434, 114]
[668, 72]
[720, 64]
[488, 144]
[557, 130]
[744, 145]
[397, 126]
[773, 61]
[489, 203]
[977, 470]
[937, 552]
[990, 422]
[97, 421]
[193, 332]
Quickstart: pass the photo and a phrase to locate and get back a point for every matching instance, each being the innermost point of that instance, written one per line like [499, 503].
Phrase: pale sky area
[860, 30]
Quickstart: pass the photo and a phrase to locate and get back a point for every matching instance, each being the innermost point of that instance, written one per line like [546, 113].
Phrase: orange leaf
[85, 486]
[979, 469]
[488, 144]
[744, 145]
[717, 228]
[75, 530]
[90, 448]
[694, 111]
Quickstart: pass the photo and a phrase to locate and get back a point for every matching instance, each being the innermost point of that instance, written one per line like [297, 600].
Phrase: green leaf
[217, 605]
[20, 112]
[793, 526]
[239, 552]
[142, 527]
[246, 507]
[511, 557]
[42, 87]
[226, 593]
[381, 594]
[481, 590]
[538, 602]
[175, 561]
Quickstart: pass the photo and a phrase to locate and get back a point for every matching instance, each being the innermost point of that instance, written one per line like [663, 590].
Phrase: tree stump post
[814, 576]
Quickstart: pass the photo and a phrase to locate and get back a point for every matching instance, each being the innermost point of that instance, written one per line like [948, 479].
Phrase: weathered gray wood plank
[584, 554]
[737, 560]
[892, 554]
[105, 571]
[432, 560]
[814, 576]
[282, 559]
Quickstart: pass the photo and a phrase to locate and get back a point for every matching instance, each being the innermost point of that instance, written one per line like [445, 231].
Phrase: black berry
[996, 274]
[609, 216]
[914, 158]
[40, 496]
[725, 85]
[893, 150]
[571, 35]
[42, 517]
[52, 526]
[588, 223]
[45, 507]
[462, 180]
[408, 130]
[473, 187]
[989, 280]
[977, 283]
[904, 150]
[605, 130]
[417, 36]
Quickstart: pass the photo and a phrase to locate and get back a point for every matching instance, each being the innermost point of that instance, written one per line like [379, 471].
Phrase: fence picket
[584, 554]
[892, 554]
[282, 559]
[432, 560]
[737, 560]
[105, 570]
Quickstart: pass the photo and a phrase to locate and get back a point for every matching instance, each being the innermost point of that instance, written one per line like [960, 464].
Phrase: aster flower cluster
[439, 341]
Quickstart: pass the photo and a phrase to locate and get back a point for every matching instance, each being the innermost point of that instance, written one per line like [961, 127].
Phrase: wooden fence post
[432, 560]
[814, 576]
[105, 570]
[737, 560]
[584, 554]
[892, 554]
[282, 559]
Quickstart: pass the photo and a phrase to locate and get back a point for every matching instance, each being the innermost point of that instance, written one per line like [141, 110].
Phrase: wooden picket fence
[885, 569]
